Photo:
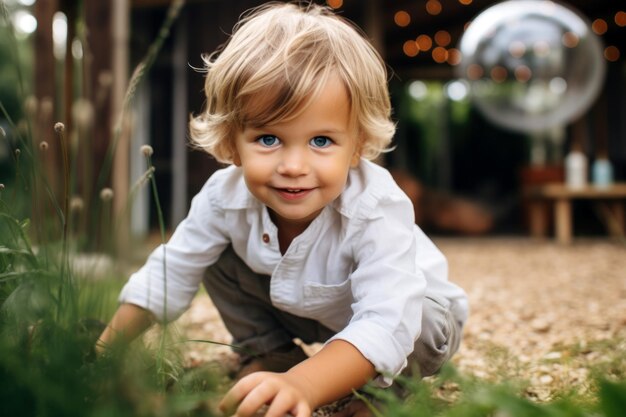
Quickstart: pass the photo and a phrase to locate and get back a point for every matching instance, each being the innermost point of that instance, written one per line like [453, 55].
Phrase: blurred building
[462, 153]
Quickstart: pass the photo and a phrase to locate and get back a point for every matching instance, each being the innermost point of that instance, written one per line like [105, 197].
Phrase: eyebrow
[323, 131]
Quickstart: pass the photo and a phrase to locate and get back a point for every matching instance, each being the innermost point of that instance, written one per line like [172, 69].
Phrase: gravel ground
[541, 313]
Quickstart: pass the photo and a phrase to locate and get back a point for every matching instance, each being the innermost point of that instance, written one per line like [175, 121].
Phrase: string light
[410, 48]
[517, 49]
[599, 26]
[440, 54]
[522, 73]
[424, 42]
[499, 74]
[475, 71]
[402, 18]
[454, 56]
[611, 53]
[433, 7]
[570, 39]
[335, 4]
[443, 38]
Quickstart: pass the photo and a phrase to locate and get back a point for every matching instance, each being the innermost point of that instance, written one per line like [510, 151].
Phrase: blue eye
[321, 142]
[268, 140]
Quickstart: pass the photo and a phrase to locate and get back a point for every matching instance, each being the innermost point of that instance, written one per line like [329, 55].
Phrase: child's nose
[293, 163]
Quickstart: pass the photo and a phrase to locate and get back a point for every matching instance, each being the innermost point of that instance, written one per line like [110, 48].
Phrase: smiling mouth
[292, 193]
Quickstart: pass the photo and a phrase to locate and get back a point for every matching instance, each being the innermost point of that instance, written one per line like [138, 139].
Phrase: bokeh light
[335, 4]
[24, 22]
[443, 38]
[410, 48]
[456, 90]
[611, 53]
[454, 56]
[599, 26]
[440, 54]
[424, 42]
[620, 18]
[433, 7]
[532, 64]
[402, 18]
[418, 90]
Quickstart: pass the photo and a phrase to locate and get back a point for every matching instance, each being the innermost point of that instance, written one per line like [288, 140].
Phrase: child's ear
[356, 156]
[354, 162]
[236, 158]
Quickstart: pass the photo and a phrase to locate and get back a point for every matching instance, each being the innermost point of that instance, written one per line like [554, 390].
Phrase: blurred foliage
[14, 75]
[50, 318]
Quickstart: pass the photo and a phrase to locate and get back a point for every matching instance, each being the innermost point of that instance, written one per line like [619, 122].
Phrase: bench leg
[616, 222]
[563, 220]
[537, 219]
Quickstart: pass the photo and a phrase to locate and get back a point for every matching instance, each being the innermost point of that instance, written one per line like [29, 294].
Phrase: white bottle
[576, 169]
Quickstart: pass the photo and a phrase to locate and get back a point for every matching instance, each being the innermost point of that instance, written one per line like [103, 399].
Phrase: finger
[281, 405]
[302, 410]
[259, 396]
[285, 402]
[237, 393]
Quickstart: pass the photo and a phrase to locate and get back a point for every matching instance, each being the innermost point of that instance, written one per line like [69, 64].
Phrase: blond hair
[276, 62]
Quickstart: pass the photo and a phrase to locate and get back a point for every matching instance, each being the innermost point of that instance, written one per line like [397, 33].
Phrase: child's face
[299, 166]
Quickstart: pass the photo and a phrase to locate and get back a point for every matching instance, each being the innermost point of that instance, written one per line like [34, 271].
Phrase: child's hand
[280, 391]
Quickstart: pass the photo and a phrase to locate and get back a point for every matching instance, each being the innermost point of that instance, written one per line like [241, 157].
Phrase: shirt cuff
[140, 291]
[379, 347]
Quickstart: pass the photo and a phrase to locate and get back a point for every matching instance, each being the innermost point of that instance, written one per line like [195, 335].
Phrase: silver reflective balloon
[531, 64]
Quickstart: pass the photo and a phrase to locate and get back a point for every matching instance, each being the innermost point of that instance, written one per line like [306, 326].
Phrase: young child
[301, 236]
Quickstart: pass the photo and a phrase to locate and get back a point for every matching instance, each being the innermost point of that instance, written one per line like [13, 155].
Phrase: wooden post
[563, 220]
[121, 169]
[45, 87]
[97, 68]
[537, 218]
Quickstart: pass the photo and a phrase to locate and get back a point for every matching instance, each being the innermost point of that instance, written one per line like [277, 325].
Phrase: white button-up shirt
[361, 268]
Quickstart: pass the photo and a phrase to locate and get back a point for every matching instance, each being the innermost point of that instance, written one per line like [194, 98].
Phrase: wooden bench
[609, 200]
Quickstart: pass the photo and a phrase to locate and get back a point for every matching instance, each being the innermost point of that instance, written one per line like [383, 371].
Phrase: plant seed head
[18, 152]
[146, 150]
[2, 132]
[43, 146]
[83, 113]
[30, 106]
[106, 194]
[1, 186]
[105, 79]
[76, 203]
[59, 127]
[47, 107]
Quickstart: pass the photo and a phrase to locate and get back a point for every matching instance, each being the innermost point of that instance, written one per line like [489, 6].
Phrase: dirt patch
[542, 313]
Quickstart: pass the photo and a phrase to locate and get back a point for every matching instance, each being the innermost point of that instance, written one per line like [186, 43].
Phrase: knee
[439, 338]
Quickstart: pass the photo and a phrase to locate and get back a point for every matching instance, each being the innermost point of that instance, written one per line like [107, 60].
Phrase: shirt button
[266, 238]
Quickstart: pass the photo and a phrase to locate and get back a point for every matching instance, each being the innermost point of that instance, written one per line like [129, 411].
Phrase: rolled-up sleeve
[388, 290]
[170, 278]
